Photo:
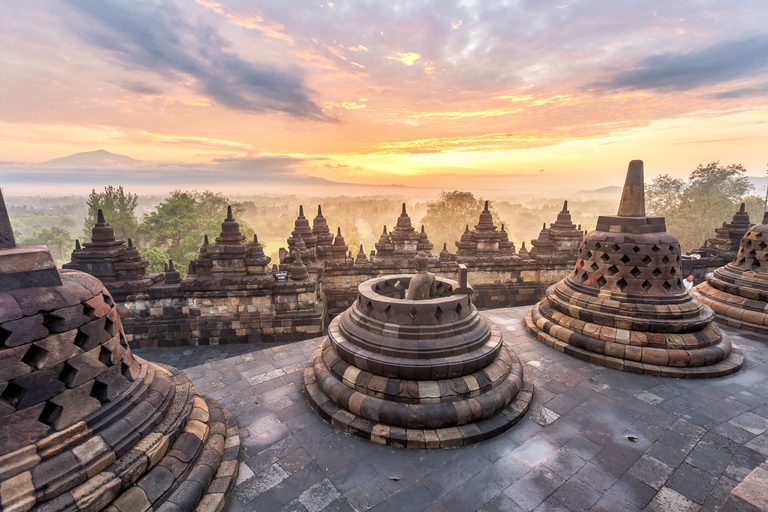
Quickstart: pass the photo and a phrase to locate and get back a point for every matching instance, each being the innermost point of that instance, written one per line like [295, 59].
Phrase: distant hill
[613, 190]
[98, 158]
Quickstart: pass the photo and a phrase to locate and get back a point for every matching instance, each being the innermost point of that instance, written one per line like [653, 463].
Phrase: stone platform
[594, 438]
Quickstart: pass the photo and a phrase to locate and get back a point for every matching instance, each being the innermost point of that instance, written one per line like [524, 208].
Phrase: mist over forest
[173, 226]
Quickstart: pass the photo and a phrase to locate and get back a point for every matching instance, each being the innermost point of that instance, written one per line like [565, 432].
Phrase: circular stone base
[382, 433]
[733, 310]
[726, 367]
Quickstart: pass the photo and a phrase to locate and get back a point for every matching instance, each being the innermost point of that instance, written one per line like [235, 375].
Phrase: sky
[251, 96]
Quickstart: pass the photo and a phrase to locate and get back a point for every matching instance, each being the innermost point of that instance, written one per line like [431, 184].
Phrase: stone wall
[170, 315]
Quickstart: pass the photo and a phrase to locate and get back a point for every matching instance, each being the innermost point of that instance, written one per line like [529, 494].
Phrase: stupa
[106, 257]
[430, 373]
[728, 238]
[84, 424]
[738, 292]
[624, 305]
[485, 244]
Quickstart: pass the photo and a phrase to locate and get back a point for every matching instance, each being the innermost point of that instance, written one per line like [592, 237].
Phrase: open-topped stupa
[431, 373]
[738, 292]
[84, 424]
[624, 305]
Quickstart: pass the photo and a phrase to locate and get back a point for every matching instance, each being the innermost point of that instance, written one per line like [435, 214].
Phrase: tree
[178, 224]
[447, 217]
[156, 259]
[694, 209]
[118, 208]
[57, 239]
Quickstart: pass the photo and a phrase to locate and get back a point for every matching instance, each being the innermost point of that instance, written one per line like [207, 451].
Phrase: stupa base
[734, 310]
[383, 433]
[729, 365]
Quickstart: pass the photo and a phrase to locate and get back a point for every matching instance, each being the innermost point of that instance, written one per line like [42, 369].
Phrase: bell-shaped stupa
[84, 424]
[624, 305]
[738, 292]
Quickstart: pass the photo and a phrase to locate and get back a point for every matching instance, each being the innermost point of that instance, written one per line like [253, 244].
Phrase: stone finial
[319, 211]
[130, 243]
[403, 213]
[170, 266]
[486, 210]
[301, 211]
[229, 212]
[743, 207]
[633, 196]
[100, 217]
[255, 239]
[579, 227]
[544, 226]
[205, 240]
[502, 227]
[7, 239]
[77, 245]
[565, 206]
[422, 229]
[466, 229]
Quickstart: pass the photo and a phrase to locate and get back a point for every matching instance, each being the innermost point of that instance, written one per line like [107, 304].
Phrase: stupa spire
[7, 239]
[633, 197]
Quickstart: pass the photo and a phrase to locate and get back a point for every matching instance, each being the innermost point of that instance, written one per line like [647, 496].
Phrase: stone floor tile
[632, 490]
[709, 459]
[397, 478]
[319, 496]
[595, 477]
[352, 476]
[651, 471]
[456, 501]
[445, 478]
[414, 497]
[583, 447]
[501, 503]
[565, 463]
[668, 499]
[575, 496]
[293, 486]
[295, 461]
[692, 482]
[365, 496]
[533, 488]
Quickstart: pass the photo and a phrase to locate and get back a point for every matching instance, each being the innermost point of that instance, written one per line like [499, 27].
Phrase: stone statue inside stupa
[423, 285]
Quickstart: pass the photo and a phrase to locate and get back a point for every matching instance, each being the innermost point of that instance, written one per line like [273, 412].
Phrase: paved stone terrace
[595, 438]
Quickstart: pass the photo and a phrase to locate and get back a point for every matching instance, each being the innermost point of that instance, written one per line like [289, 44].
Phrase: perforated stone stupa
[428, 373]
[84, 424]
[738, 292]
[624, 305]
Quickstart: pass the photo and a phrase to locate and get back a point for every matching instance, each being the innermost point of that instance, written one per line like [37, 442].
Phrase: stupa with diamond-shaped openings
[624, 306]
[738, 292]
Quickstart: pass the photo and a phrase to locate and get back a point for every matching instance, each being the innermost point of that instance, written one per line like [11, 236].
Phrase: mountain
[605, 191]
[98, 158]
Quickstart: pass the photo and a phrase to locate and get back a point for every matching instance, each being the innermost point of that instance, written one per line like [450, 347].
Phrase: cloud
[141, 88]
[158, 37]
[715, 64]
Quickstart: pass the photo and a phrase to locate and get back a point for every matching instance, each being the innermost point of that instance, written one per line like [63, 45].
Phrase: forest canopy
[696, 207]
